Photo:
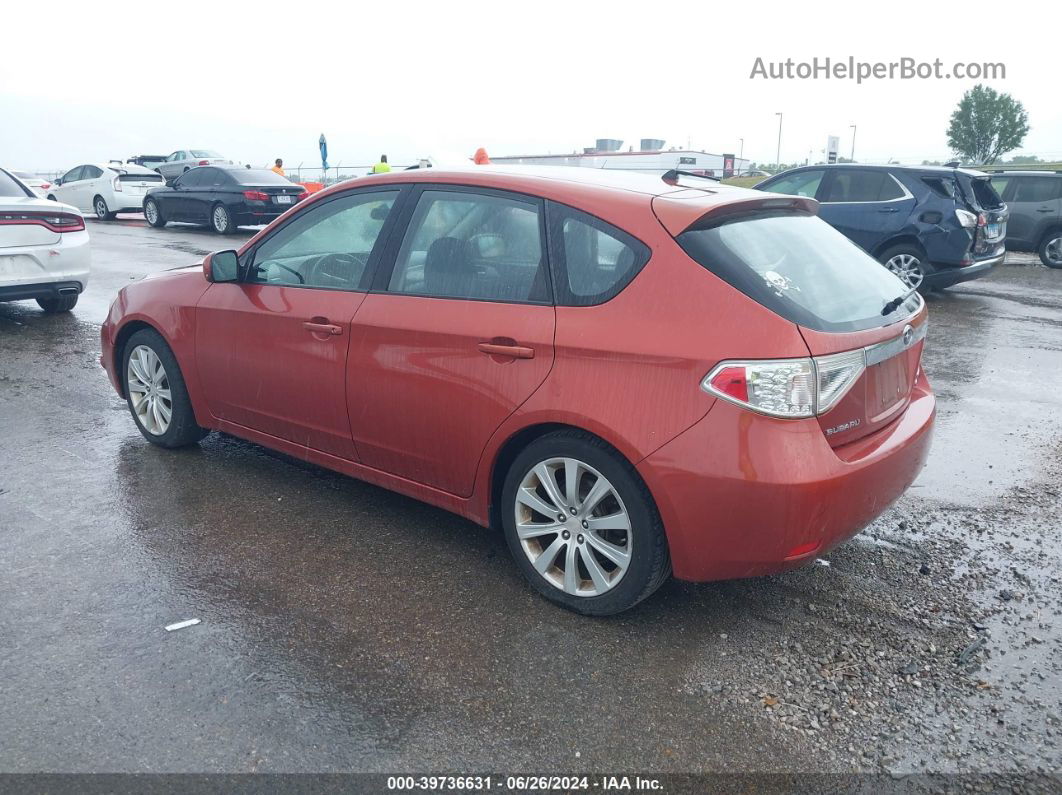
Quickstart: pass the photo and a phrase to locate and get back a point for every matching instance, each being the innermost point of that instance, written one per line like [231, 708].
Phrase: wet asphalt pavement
[345, 628]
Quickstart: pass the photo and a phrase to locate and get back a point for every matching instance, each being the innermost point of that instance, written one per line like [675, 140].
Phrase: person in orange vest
[480, 157]
[278, 167]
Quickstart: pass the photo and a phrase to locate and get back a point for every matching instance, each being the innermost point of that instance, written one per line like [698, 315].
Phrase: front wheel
[582, 526]
[1050, 250]
[153, 214]
[102, 212]
[221, 220]
[908, 262]
[156, 394]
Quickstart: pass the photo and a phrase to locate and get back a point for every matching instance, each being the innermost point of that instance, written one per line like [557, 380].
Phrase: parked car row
[935, 226]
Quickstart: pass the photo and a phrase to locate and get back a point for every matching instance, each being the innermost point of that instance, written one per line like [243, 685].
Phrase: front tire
[153, 214]
[908, 263]
[99, 204]
[155, 392]
[1050, 249]
[582, 525]
[62, 303]
[221, 220]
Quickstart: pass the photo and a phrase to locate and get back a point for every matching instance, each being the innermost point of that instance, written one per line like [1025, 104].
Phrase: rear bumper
[945, 276]
[24, 292]
[744, 495]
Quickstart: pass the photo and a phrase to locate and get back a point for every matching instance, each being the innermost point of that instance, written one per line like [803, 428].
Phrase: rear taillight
[57, 222]
[304, 195]
[116, 183]
[791, 388]
[204, 162]
[45, 185]
[966, 219]
[255, 196]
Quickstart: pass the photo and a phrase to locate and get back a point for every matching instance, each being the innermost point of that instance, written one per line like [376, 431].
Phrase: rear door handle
[322, 328]
[516, 351]
[1045, 210]
[888, 210]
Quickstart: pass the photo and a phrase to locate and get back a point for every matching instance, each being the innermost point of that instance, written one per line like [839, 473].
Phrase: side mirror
[221, 266]
[57, 181]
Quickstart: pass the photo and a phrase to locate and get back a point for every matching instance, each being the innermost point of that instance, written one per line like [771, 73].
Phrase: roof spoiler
[679, 215]
[672, 177]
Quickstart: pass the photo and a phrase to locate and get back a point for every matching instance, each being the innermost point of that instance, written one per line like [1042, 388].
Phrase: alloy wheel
[908, 267]
[149, 390]
[1053, 250]
[101, 208]
[151, 212]
[573, 527]
[221, 219]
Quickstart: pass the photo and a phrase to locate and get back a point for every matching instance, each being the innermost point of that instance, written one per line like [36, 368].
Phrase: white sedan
[106, 188]
[44, 248]
[34, 183]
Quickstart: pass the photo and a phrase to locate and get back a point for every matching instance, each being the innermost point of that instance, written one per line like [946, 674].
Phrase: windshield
[800, 267]
[204, 153]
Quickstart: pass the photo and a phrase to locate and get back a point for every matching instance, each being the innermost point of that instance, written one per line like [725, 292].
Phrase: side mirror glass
[57, 181]
[221, 266]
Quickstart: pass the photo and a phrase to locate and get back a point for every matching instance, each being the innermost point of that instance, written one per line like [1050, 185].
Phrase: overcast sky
[93, 81]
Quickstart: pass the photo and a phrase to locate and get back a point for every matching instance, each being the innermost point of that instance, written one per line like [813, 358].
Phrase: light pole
[853, 141]
[741, 154]
[778, 152]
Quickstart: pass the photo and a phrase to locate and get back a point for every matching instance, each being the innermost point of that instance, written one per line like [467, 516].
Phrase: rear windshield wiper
[897, 302]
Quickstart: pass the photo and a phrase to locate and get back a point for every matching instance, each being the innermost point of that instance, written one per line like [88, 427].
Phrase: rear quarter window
[593, 260]
[801, 268]
[11, 187]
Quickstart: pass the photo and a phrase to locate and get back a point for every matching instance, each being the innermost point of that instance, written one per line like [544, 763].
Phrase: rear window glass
[801, 268]
[138, 177]
[985, 195]
[10, 187]
[259, 176]
[204, 153]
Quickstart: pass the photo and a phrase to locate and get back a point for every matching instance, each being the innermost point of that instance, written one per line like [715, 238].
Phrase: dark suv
[932, 226]
[1034, 199]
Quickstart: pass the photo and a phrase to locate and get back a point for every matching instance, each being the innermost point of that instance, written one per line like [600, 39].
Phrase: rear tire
[156, 378]
[1050, 249]
[221, 220]
[62, 303]
[153, 214]
[99, 204]
[908, 263]
[615, 546]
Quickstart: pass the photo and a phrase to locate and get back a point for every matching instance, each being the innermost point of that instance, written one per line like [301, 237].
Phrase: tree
[987, 124]
[1024, 160]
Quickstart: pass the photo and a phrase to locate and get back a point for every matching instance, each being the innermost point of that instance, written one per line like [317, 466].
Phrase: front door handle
[1045, 210]
[516, 351]
[887, 210]
[323, 328]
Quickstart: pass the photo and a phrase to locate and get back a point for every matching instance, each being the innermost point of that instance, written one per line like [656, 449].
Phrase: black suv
[1034, 199]
[933, 226]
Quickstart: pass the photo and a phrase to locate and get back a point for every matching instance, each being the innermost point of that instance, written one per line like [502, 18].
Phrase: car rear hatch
[280, 195]
[864, 330]
[985, 203]
[139, 184]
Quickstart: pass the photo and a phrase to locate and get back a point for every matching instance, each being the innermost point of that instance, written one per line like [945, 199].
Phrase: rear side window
[593, 261]
[10, 187]
[1036, 189]
[804, 183]
[799, 267]
[863, 186]
[469, 245]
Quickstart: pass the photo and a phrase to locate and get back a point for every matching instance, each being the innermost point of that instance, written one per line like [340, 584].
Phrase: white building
[650, 156]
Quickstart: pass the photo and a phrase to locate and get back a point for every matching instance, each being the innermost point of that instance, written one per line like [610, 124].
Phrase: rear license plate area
[891, 383]
[283, 199]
